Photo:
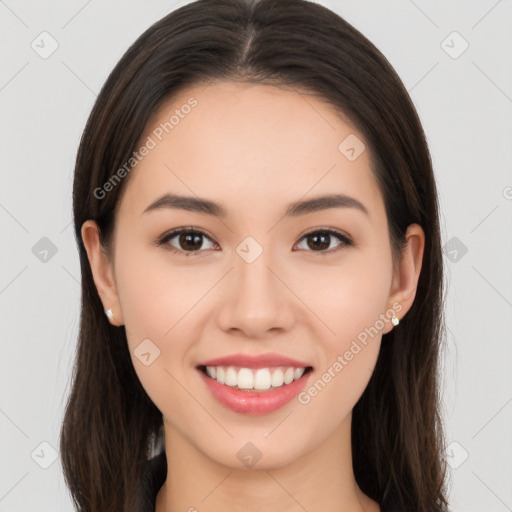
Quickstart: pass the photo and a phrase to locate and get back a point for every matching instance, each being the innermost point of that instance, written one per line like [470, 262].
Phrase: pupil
[188, 241]
[324, 245]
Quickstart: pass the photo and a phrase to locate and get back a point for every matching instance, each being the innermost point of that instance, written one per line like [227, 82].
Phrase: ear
[102, 271]
[405, 279]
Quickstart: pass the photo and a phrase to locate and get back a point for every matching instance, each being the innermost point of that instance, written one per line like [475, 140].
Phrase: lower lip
[254, 402]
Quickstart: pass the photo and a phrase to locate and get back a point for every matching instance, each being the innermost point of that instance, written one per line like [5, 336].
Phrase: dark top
[156, 472]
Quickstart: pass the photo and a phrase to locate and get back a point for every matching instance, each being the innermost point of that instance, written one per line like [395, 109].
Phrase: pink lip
[254, 402]
[260, 361]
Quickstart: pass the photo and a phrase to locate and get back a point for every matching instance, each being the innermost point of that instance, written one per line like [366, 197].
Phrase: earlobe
[102, 271]
[405, 281]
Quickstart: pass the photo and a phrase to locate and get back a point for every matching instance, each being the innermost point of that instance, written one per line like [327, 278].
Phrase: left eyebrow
[324, 203]
[295, 209]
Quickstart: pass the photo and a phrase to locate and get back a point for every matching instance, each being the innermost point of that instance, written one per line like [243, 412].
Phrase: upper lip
[258, 361]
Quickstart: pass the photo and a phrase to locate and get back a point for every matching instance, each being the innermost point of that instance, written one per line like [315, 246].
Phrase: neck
[322, 479]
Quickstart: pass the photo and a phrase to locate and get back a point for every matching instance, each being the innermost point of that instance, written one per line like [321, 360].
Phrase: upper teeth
[258, 379]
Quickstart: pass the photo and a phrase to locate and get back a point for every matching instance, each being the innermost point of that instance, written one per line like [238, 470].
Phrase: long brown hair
[397, 431]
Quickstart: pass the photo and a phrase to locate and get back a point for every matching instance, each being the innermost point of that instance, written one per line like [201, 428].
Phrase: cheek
[154, 294]
[348, 297]
[352, 302]
[159, 301]
[154, 302]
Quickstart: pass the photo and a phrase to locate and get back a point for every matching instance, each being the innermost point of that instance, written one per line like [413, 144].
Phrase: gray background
[465, 103]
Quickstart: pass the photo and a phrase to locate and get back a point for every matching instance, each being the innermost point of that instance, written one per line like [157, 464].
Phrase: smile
[247, 391]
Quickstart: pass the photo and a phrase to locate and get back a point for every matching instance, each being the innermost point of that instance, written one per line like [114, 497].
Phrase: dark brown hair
[397, 431]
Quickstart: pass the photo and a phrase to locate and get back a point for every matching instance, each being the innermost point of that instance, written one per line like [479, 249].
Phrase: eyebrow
[194, 204]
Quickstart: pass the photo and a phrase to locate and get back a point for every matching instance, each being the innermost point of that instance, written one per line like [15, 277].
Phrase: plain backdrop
[455, 58]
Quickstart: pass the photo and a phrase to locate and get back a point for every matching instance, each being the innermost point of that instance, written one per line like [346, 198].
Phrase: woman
[257, 221]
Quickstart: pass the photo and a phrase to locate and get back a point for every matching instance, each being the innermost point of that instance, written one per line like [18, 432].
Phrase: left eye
[321, 239]
[190, 241]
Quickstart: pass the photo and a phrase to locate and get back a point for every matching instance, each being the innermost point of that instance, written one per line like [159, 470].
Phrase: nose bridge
[256, 286]
[256, 300]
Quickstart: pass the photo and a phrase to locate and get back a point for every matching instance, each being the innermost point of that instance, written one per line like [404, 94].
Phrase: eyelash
[162, 242]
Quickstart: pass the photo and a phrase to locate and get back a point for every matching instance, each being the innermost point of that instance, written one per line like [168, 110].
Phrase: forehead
[244, 144]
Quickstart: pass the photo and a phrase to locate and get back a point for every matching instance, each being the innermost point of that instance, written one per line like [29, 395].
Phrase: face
[313, 284]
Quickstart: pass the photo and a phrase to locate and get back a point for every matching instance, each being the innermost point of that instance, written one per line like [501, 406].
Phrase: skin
[254, 149]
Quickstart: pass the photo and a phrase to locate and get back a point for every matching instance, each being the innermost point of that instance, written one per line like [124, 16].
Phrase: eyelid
[331, 231]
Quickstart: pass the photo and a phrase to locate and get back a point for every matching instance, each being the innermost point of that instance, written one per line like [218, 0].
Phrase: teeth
[245, 379]
[231, 377]
[261, 379]
[220, 375]
[288, 375]
[277, 378]
[299, 372]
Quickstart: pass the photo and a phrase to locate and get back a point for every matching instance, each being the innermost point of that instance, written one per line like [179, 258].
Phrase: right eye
[189, 241]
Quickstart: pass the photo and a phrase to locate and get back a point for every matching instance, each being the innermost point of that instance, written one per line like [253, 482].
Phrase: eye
[189, 241]
[320, 240]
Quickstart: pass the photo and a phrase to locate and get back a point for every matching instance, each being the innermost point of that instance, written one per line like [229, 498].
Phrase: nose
[256, 300]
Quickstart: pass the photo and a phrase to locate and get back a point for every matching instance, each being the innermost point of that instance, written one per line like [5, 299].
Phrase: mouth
[254, 391]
